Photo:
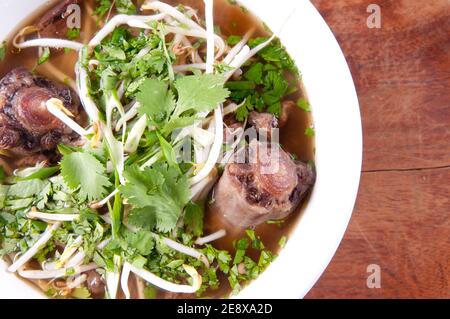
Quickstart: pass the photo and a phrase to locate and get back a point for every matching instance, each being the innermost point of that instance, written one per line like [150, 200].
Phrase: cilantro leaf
[193, 219]
[243, 111]
[103, 7]
[24, 189]
[275, 109]
[115, 53]
[161, 191]
[275, 53]
[196, 93]
[240, 85]
[155, 98]
[72, 34]
[255, 73]
[234, 39]
[142, 241]
[282, 241]
[144, 218]
[202, 93]
[42, 173]
[83, 170]
[179, 122]
[140, 184]
[309, 131]
[168, 151]
[125, 6]
[304, 105]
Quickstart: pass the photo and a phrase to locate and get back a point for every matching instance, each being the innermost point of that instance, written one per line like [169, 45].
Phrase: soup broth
[231, 19]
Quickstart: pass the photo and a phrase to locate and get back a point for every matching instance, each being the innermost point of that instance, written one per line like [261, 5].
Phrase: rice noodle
[166, 285]
[135, 21]
[56, 273]
[212, 237]
[40, 243]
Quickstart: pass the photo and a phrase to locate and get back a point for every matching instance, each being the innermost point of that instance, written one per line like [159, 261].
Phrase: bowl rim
[324, 220]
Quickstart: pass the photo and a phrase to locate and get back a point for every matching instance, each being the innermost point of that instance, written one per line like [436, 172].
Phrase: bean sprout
[132, 20]
[53, 217]
[166, 285]
[212, 237]
[40, 243]
[56, 273]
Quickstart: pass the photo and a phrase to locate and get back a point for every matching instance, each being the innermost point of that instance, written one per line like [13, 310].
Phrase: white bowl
[331, 91]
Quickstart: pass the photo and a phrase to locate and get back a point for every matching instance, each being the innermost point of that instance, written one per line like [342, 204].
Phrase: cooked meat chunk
[26, 126]
[31, 160]
[263, 122]
[54, 21]
[268, 186]
[95, 284]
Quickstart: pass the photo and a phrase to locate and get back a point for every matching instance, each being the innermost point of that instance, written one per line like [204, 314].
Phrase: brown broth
[232, 19]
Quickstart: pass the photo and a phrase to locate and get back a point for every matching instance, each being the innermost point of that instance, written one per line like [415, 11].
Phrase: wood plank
[401, 219]
[402, 75]
[401, 222]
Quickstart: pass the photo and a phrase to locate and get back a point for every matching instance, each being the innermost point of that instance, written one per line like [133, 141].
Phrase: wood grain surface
[401, 221]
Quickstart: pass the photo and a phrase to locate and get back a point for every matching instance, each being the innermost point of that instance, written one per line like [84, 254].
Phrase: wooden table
[401, 221]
